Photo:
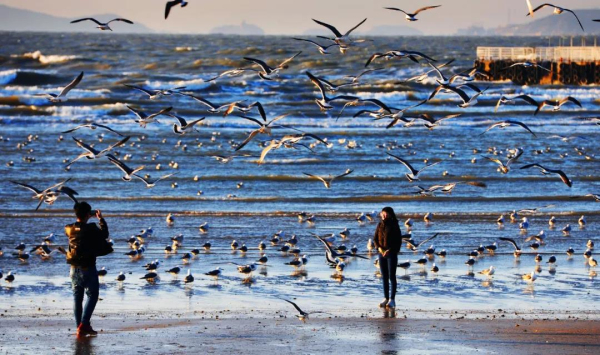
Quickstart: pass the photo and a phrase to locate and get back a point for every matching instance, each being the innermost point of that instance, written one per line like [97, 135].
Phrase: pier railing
[540, 54]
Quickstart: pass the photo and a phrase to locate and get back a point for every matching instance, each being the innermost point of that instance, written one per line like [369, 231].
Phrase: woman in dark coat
[388, 240]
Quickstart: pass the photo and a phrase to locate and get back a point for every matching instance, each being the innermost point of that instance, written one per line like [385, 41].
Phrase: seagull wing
[71, 85]
[517, 156]
[141, 115]
[373, 57]
[522, 125]
[355, 27]
[405, 163]
[161, 112]
[540, 7]
[78, 127]
[295, 306]
[331, 28]
[252, 135]
[122, 20]
[497, 161]
[426, 8]
[500, 102]
[316, 177]
[580, 25]
[203, 101]
[145, 91]
[317, 82]
[284, 63]
[118, 144]
[265, 67]
[107, 128]
[563, 177]
[527, 99]
[85, 146]
[253, 120]
[274, 143]
[260, 108]
[169, 5]
[378, 103]
[308, 40]
[87, 19]
[395, 9]
[29, 187]
[569, 99]
[181, 120]
[428, 239]
[511, 241]
[124, 168]
[348, 172]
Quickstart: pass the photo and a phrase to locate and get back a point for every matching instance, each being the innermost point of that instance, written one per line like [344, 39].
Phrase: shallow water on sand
[274, 192]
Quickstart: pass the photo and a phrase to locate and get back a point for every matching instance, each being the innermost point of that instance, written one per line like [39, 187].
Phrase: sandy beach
[160, 333]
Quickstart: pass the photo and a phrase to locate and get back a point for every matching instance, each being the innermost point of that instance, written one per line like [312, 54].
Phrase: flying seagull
[507, 123]
[61, 97]
[322, 49]
[91, 152]
[327, 181]
[526, 65]
[411, 17]
[264, 128]
[170, 4]
[143, 119]
[503, 100]
[413, 175]
[324, 101]
[93, 126]
[412, 55]
[343, 40]
[124, 168]
[51, 194]
[546, 171]
[556, 104]
[557, 11]
[268, 71]
[103, 26]
[505, 168]
[156, 93]
[182, 126]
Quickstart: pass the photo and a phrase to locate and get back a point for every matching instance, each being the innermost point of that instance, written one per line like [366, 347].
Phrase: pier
[567, 65]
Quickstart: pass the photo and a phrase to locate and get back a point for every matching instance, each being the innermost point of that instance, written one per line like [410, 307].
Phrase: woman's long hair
[391, 214]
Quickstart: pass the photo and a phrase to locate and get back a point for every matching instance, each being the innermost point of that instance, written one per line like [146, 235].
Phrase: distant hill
[548, 25]
[243, 29]
[12, 19]
[392, 30]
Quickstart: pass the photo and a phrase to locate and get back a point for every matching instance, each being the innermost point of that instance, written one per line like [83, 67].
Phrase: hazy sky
[294, 16]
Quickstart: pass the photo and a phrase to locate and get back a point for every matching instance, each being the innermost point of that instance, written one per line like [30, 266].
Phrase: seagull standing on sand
[103, 26]
[61, 97]
[412, 17]
[303, 316]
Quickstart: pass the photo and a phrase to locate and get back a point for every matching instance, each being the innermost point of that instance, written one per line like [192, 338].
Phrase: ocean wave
[46, 59]
[193, 84]
[8, 76]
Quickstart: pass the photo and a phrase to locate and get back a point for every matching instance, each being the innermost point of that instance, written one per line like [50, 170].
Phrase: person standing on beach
[388, 240]
[83, 240]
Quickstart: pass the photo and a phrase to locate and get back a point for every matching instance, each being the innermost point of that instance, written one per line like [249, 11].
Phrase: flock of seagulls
[338, 257]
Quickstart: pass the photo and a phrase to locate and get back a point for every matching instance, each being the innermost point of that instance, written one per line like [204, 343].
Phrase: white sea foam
[47, 59]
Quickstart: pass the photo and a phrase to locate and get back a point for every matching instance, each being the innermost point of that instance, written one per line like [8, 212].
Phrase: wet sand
[179, 334]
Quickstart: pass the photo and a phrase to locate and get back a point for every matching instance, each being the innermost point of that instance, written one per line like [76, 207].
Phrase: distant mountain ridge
[12, 19]
[243, 29]
[548, 25]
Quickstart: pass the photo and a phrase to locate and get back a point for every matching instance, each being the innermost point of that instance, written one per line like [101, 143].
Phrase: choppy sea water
[274, 192]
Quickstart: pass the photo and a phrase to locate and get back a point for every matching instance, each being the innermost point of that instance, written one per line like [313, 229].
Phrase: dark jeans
[84, 280]
[388, 266]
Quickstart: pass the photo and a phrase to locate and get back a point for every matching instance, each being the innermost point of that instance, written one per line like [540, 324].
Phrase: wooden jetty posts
[567, 65]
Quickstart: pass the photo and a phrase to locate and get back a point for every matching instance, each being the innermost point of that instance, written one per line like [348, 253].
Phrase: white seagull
[412, 17]
[102, 26]
[61, 97]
